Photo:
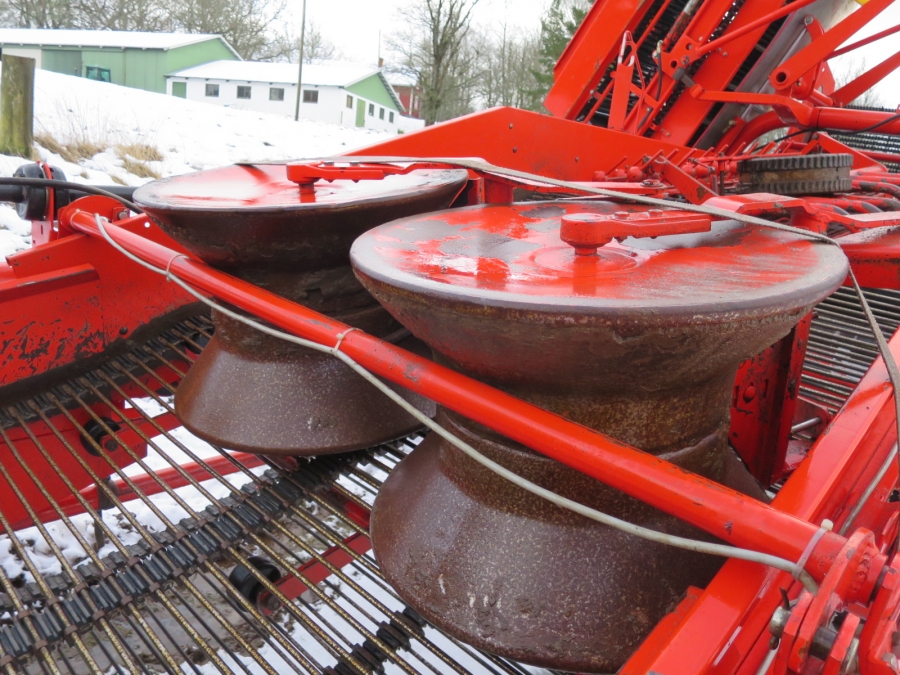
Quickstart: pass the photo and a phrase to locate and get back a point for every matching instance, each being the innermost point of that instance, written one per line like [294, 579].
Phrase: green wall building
[132, 59]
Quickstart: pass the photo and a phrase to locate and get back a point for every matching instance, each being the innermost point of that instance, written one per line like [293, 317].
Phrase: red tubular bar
[865, 41]
[820, 118]
[822, 47]
[882, 156]
[729, 515]
[861, 84]
[750, 27]
[315, 572]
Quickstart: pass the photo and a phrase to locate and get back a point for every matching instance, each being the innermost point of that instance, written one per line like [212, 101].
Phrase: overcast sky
[354, 25]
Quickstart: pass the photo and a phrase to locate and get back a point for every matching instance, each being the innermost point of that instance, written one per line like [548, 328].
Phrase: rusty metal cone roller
[629, 321]
[252, 392]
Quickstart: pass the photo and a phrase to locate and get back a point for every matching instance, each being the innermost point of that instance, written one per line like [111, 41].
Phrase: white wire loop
[826, 526]
[168, 265]
[340, 339]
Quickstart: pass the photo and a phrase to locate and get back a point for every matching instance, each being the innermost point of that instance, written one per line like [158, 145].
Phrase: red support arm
[857, 87]
[729, 515]
[820, 49]
[821, 118]
[865, 41]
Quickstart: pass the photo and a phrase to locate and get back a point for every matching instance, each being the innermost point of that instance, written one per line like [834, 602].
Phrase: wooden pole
[17, 107]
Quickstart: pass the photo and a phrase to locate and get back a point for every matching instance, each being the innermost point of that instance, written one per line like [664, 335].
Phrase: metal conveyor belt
[130, 573]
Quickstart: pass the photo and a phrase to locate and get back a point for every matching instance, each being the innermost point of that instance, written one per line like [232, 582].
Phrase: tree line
[460, 66]
[246, 24]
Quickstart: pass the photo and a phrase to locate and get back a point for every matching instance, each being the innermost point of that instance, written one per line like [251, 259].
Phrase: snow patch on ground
[161, 454]
[190, 136]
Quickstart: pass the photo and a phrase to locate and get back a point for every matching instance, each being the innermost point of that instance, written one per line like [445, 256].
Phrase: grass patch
[117, 180]
[135, 158]
[71, 152]
[139, 169]
[142, 152]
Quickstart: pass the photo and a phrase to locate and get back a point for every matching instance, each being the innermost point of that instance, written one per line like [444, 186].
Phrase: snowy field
[188, 135]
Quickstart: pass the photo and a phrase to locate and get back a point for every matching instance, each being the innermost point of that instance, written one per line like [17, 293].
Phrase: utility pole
[300, 69]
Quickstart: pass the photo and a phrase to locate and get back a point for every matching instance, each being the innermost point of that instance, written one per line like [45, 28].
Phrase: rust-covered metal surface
[255, 393]
[641, 341]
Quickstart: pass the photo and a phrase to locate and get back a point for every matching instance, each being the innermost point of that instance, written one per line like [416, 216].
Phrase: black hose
[11, 190]
[842, 132]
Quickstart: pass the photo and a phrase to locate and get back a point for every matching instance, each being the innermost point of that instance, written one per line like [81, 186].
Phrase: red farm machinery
[610, 390]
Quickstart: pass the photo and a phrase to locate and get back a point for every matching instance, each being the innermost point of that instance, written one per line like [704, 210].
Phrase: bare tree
[37, 14]
[145, 15]
[869, 99]
[285, 46]
[317, 47]
[243, 23]
[436, 51]
[510, 59]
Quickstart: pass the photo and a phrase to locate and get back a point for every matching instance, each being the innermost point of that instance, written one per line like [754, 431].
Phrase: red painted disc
[253, 215]
[265, 186]
[512, 256]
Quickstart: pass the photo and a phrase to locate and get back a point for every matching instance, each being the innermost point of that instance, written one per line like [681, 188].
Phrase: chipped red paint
[763, 405]
[69, 299]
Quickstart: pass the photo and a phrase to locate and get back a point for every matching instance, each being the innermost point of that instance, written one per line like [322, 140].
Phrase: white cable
[869, 490]
[764, 666]
[622, 525]
[826, 526]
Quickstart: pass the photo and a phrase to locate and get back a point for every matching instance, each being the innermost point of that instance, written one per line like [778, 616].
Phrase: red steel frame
[69, 299]
[841, 474]
[727, 514]
[804, 97]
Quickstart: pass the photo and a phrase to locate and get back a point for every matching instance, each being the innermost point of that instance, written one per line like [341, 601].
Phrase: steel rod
[808, 424]
[167, 522]
[137, 427]
[729, 36]
[265, 546]
[79, 537]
